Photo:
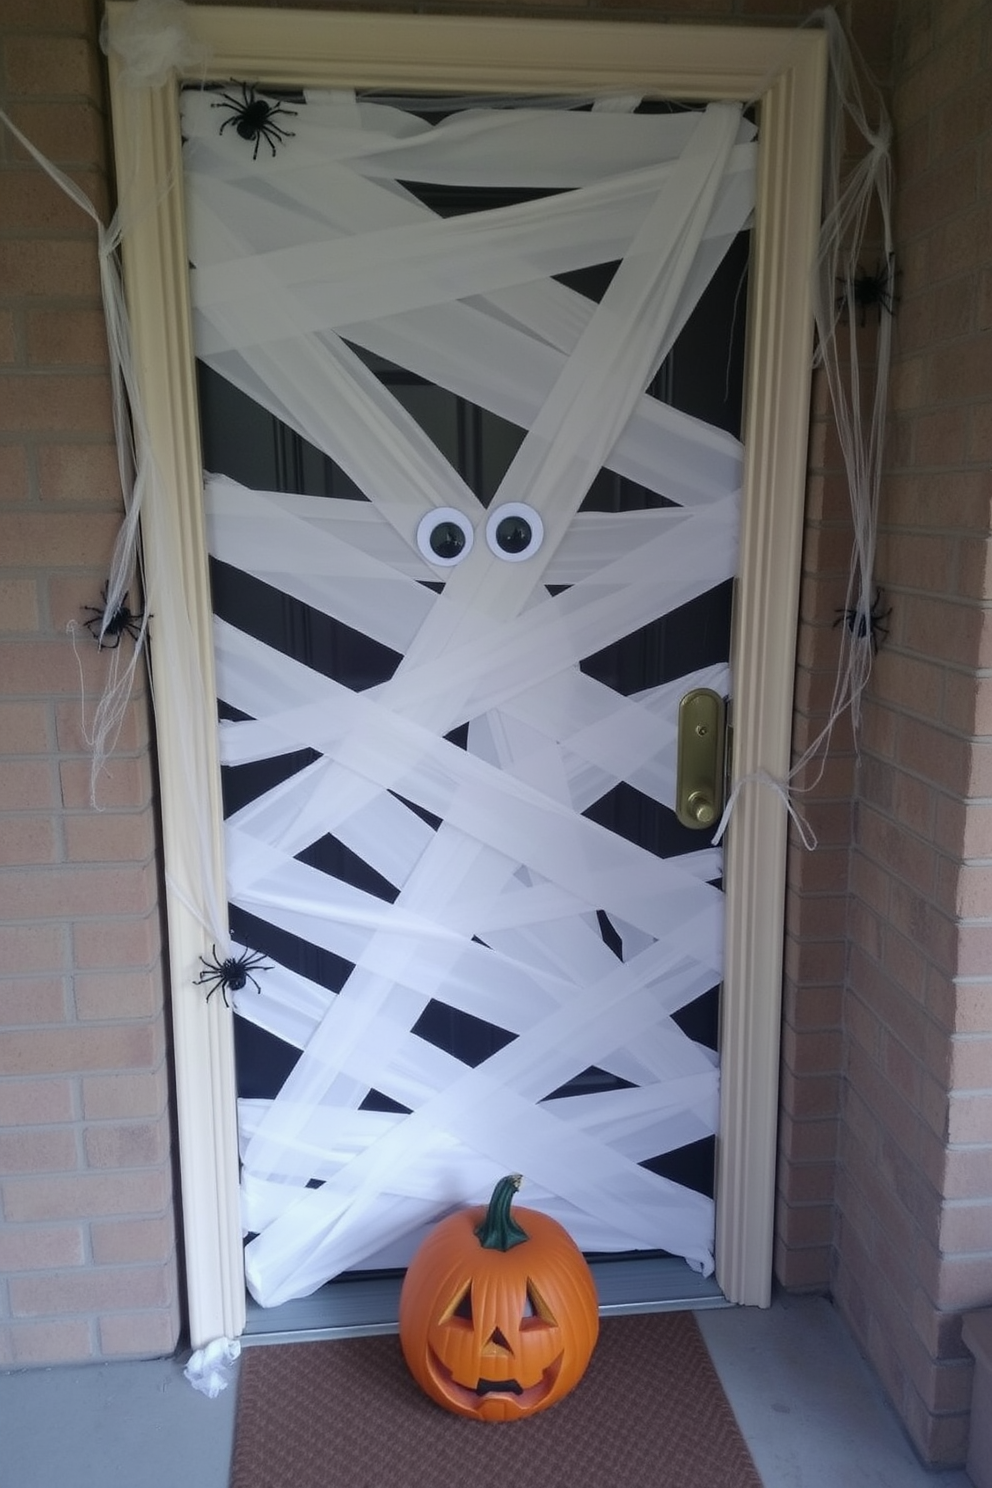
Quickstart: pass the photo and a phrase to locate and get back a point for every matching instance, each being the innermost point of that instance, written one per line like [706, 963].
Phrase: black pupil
[513, 534]
[447, 540]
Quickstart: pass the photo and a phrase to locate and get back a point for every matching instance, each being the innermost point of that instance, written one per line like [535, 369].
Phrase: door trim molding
[784, 72]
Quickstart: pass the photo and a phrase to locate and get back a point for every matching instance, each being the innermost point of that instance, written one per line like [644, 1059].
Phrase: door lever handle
[699, 782]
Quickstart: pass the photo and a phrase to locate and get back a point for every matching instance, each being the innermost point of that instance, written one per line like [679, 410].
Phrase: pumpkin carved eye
[537, 1313]
[459, 1310]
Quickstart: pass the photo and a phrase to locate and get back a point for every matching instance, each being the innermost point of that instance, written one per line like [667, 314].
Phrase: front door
[509, 647]
[470, 390]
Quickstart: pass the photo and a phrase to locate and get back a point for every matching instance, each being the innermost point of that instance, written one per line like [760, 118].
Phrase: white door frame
[784, 72]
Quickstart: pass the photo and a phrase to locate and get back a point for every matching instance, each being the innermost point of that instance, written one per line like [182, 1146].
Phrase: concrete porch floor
[811, 1410]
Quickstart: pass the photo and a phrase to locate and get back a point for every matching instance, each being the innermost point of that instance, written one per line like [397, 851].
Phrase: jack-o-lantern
[498, 1312]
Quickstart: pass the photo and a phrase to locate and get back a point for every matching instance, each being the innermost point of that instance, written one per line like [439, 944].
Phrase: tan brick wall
[886, 1122]
[818, 911]
[87, 1235]
[915, 1184]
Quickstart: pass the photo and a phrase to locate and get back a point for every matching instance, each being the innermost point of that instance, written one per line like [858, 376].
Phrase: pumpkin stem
[499, 1230]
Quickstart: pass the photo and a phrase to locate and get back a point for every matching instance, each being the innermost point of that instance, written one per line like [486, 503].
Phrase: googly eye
[445, 536]
[514, 531]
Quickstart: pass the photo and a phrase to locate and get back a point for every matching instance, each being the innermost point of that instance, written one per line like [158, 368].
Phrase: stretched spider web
[468, 772]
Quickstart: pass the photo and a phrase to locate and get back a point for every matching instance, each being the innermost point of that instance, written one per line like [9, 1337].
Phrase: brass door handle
[699, 784]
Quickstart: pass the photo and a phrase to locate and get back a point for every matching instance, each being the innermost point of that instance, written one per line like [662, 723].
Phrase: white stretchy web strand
[152, 44]
[852, 203]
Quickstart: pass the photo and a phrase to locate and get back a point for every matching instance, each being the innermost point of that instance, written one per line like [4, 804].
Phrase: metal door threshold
[360, 1306]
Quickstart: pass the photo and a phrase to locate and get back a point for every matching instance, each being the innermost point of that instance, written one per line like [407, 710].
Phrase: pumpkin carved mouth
[526, 1399]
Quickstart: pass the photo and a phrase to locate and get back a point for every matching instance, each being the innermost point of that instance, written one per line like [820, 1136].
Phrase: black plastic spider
[120, 621]
[868, 290]
[232, 974]
[253, 117]
[870, 624]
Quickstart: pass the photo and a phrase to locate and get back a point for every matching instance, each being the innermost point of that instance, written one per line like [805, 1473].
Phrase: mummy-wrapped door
[466, 561]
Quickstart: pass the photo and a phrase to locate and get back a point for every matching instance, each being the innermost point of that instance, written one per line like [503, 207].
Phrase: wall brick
[22, 663]
[47, 1342]
[89, 1291]
[131, 1145]
[34, 204]
[41, 1248]
[110, 837]
[72, 892]
[139, 1334]
[31, 1000]
[68, 133]
[30, 948]
[27, 840]
[9, 338]
[25, 729]
[15, 473]
[129, 1242]
[125, 783]
[134, 737]
[79, 474]
[32, 268]
[965, 1227]
[802, 1270]
[51, 65]
[128, 1046]
[966, 1172]
[27, 1102]
[44, 402]
[117, 995]
[74, 17]
[27, 786]
[106, 942]
[18, 605]
[66, 539]
[58, 338]
[124, 1096]
[85, 1195]
[38, 1151]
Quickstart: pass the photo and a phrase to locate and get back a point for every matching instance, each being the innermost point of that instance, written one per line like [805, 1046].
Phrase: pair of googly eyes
[514, 531]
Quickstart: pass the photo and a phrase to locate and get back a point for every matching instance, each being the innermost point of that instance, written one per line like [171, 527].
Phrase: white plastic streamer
[495, 911]
[209, 1368]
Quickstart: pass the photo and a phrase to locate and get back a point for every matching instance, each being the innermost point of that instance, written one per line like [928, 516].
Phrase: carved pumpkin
[498, 1312]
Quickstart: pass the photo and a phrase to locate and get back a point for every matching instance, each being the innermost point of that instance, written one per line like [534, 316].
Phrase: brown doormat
[649, 1413]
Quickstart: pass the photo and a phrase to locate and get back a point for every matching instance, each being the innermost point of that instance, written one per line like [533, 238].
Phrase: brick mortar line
[73, 865]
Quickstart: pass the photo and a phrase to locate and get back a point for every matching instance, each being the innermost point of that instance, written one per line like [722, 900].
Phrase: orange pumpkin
[498, 1312]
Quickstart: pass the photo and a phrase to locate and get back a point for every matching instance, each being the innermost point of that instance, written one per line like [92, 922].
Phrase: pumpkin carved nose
[497, 1344]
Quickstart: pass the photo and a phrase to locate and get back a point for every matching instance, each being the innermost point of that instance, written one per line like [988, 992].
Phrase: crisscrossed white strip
[495, 911]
